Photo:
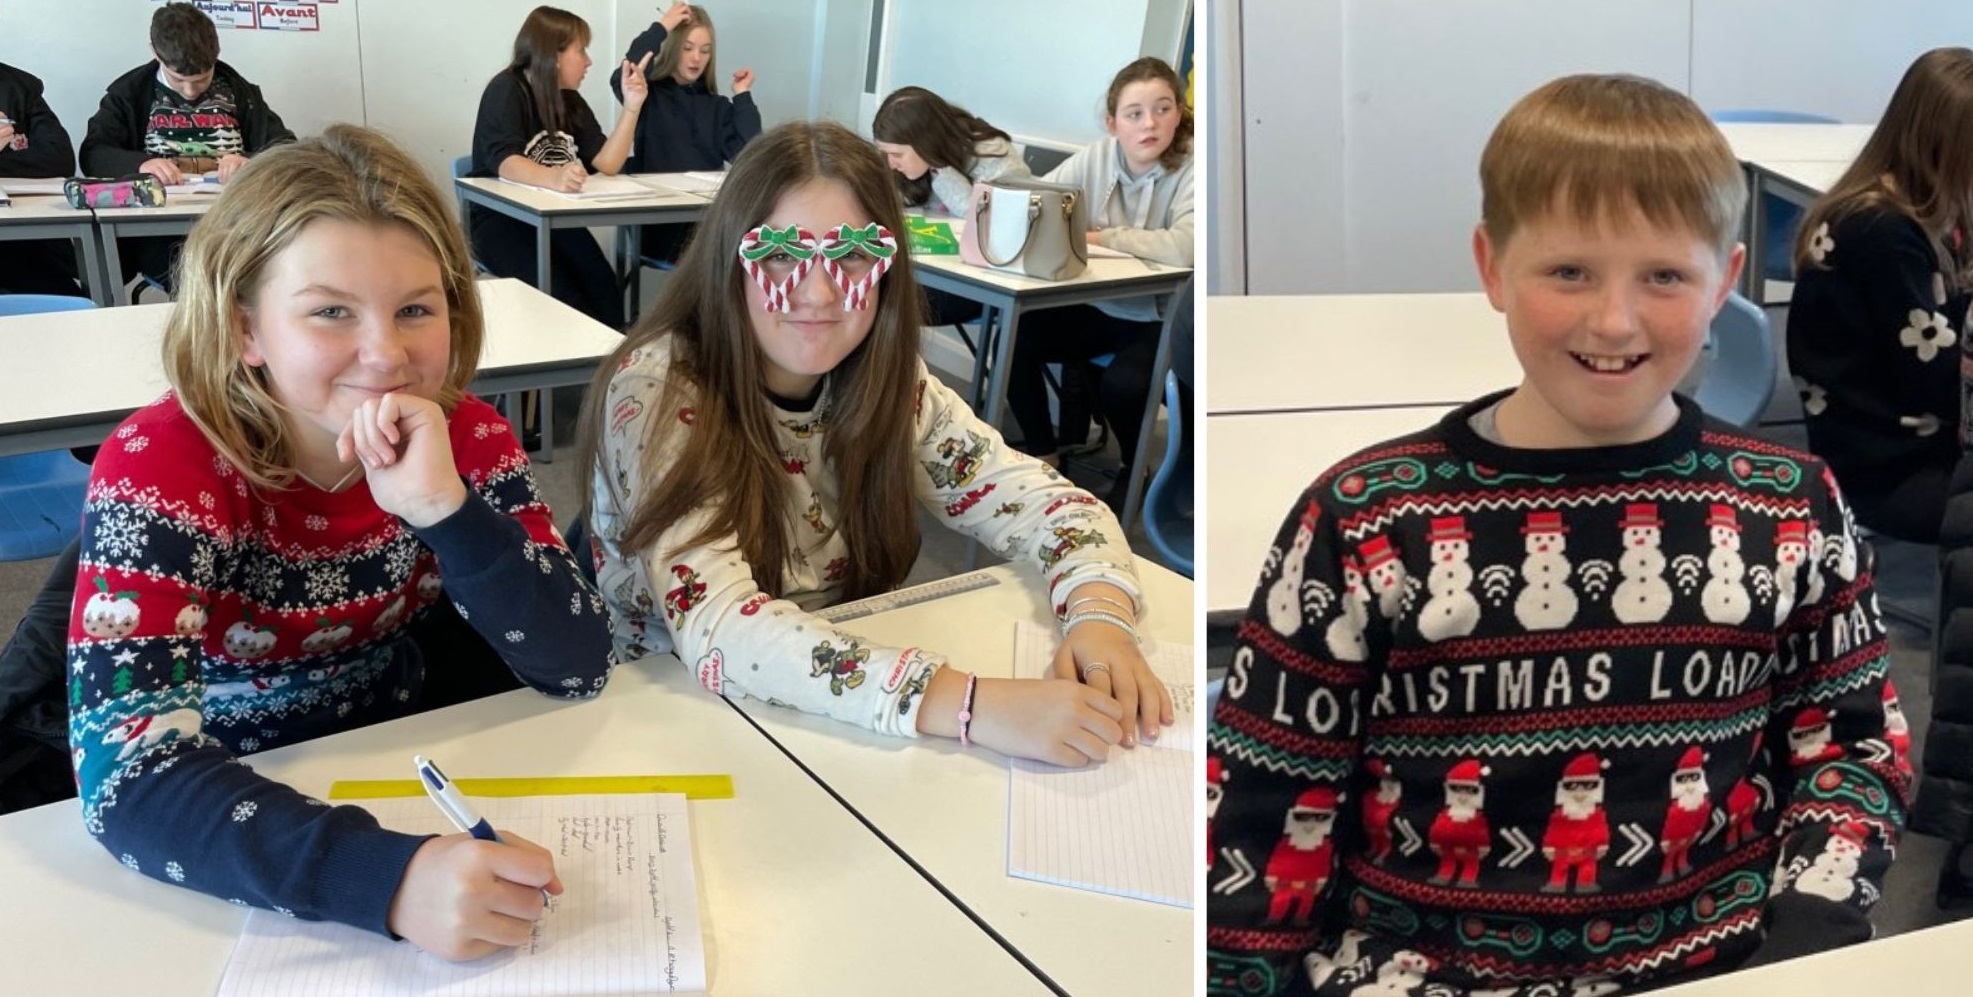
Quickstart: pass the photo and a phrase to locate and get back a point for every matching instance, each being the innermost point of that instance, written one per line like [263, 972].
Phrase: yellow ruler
[696, 787]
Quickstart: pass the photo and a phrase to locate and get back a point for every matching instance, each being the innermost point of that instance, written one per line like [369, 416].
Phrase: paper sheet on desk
[598, 187]
[688, 183]
[627, 923]
[21, 187]
[1123, 827]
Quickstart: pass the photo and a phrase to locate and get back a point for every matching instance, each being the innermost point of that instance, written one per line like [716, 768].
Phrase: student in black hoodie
[33, 144]
[687, 124]
[181, 114]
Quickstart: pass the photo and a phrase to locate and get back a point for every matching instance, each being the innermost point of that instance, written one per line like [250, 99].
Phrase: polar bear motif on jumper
[139, 734]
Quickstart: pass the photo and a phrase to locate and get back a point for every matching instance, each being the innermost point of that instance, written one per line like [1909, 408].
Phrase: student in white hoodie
[938, 151]
[1138, 182]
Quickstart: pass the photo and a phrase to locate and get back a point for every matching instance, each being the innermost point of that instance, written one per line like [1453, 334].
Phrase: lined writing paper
[1123, 827]
[627, 923]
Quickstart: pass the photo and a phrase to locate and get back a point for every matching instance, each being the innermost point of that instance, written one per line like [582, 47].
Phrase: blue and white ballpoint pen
[455, 807]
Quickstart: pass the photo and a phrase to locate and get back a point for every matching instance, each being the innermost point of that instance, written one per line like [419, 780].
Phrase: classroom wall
[1363, 120]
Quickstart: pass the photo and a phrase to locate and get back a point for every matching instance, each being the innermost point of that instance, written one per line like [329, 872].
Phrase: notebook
[1123, 827]
[628, 922]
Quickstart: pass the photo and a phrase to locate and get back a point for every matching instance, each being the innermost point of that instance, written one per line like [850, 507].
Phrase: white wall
[1363, 120]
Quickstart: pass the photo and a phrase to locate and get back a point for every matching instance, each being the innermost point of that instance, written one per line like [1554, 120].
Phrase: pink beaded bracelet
[966, 713]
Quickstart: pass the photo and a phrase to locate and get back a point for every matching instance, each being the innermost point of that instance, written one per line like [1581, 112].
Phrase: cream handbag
[1029, 227]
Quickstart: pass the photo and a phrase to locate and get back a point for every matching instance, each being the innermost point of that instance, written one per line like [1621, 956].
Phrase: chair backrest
[1168, 504]
[1741, 382]
[1763, 116]
[34, 304]
[1041, 158]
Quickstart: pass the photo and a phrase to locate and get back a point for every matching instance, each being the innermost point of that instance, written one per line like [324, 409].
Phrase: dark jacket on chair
[1945, 788]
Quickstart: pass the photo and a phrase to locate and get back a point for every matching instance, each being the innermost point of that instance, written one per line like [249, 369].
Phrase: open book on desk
[599, 187]
[1123, 827]
[706, 183]
[627, 922]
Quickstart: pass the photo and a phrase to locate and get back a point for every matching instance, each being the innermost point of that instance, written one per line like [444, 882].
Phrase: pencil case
[139, 190]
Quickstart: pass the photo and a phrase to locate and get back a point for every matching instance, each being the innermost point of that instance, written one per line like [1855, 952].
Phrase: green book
[930, 238]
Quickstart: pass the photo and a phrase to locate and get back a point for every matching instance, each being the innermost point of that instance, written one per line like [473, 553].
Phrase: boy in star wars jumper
[183, 114]
[1592, 606]
[33, 144]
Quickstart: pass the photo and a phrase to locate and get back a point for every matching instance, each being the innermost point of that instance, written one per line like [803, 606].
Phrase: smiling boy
[1607, 599]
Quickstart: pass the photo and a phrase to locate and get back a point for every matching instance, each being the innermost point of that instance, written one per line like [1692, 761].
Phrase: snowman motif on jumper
[1284, 598]
[1349, 953]
[1546, 602]
[1400, 977]
[1791, 551]
[1452, 610]
[1644, 596]
[1385, 573]
[1345, 635]
[1833, 874]
[1724, 598]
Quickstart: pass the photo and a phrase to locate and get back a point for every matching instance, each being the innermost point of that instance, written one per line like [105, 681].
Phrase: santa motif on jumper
[1459, 835]
[1644, 596]
[1578, 834]
[1345, 634]
[1402, 976]
[1809, 739]
[1452, 610]
[1379, 809]
[1386, 574]
[1724, 598]
[1686, 816]
[1284, 597]
[1215, 783]
[1546, 602]
[1791, 551]
[1897, 730]
[1833, 874]
[1743, 802]
[1300, 865]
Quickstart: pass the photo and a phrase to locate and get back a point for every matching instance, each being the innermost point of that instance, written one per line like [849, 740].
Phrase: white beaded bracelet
[1122, 607]
[1096, 614]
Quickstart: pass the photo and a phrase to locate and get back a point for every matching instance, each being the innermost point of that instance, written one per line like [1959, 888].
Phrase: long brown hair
[728, 467]
[666, 62]
[1152, 68]
[942, 134]
[543, 36]
[348, 174]
[1918, 162]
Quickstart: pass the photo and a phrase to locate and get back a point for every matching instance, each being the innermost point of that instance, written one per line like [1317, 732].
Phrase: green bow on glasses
[768, 241]
[871, 238]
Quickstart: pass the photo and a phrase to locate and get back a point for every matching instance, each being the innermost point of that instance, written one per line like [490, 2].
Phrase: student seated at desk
[274, 550]
[182, 114]
[761, 444]
[689, 125]
[535, 128]
[33, 144]
[938, 152]
[1578, 690]
[1138, 184]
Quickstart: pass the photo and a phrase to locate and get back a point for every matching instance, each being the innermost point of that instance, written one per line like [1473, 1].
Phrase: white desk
[1928, 963]
[796, 897]
[946, 806]
[546, 211]
[1332, 351]
[1258, 464]
[1757, 141]
[174, 218]
[48, 216]
[70, 377]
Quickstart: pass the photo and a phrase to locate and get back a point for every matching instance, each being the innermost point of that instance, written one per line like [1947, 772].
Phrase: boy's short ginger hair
[184, 39]
[1593, 144]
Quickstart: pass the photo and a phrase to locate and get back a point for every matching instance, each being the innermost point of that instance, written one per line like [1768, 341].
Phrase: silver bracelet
[1073, 603]
[1096, 614]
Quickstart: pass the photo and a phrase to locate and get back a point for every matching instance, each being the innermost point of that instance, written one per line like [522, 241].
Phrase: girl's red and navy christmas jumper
[1500, 717]
[212, 618]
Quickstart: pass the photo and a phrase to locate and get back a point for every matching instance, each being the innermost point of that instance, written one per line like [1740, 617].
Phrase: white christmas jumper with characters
[704, 604]
[212, 618]
[1618, 719]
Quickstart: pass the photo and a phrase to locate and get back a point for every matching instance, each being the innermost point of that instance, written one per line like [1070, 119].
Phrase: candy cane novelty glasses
[854, 259]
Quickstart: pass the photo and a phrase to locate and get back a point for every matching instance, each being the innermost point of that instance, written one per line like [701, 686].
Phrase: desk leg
[543, 276]
[1139, 478]
[89, 253]
[635, 238]
[977, 387]
[1753, 285]
[116, 292]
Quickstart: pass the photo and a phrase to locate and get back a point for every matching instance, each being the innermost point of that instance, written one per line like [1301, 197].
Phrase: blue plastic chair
[40, 493]
[1782, 217]
[1741, 382]
[1168, 503]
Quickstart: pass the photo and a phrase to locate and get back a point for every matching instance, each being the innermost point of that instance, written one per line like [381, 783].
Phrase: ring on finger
[1092, 668]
